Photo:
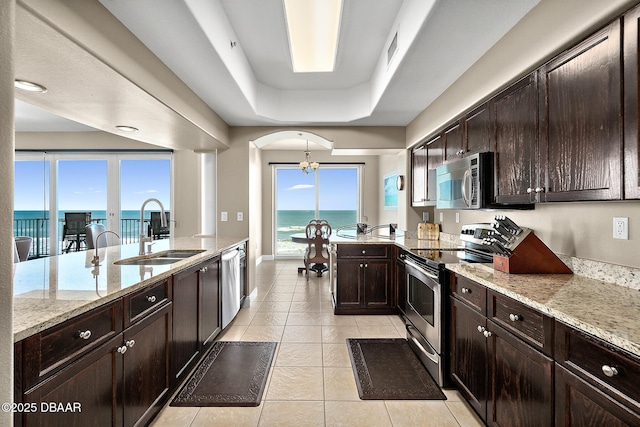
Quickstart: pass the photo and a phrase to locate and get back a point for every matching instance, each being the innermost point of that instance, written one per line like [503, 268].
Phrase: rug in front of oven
[388, 369]
[233, 373]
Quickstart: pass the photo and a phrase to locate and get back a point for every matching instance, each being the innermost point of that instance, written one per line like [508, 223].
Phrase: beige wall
[77, 141]
[578, 229]
[6, 206]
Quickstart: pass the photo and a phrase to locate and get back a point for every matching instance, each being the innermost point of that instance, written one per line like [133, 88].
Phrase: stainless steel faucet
[96, 259]
[163, 223]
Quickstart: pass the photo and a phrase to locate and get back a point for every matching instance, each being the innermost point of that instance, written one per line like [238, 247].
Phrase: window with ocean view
[106, 188]
[331, 193]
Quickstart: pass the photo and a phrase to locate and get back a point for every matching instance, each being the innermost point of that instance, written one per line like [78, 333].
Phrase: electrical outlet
[621, 228]
[457, 217]
[425, 216]
[441, 216]
[223, 216]
[240, 216]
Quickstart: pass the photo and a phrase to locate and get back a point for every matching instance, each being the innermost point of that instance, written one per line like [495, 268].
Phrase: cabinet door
[452, 139]
[515, 115]
[186, 338]
[469, 364]
[580, 129]
[477, 135]
[377, 284]
[210, 320]
[90, 386]
[580, 404]
[349, 276]
[521, 382]
[435, 155]
[419, 176]
[146, 366]
[631, 50]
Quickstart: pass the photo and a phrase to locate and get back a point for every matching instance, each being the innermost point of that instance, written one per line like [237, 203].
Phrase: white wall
[6, 206]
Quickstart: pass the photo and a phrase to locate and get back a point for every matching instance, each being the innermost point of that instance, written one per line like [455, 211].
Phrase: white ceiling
[253, 84]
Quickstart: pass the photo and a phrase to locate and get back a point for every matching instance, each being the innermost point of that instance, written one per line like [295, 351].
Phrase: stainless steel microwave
[466, 183]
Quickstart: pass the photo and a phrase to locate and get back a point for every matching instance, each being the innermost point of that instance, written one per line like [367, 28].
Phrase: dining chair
[92, 231]
[74, 228]
[158, 230]
[317, 252]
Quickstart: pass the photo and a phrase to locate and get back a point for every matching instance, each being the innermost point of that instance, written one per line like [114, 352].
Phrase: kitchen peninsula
[76, 325]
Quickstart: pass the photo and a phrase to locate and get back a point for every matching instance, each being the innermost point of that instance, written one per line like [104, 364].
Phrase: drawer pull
[151, 298]
[465, 290]
[609, 371]
[481, 329]
[85, 335]
[122, 350]
[487, 334]
[364, 252]
[130, 343]
[515, 317]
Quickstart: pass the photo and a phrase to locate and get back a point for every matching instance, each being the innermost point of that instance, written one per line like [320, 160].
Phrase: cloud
[300, 187]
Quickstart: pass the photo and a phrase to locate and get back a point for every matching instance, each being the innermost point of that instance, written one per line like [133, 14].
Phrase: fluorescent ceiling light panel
[313, 27]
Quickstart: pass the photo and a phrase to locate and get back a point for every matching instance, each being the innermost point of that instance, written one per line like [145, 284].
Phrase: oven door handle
[422, 270]
[432, 356]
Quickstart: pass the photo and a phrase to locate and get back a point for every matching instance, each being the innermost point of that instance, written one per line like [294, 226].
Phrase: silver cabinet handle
[130, 343]
[481, 329]
[366, 265]
[529, 190]
[460, 152]
[539, 189]
[361, 265]
[487, 334]
[151, 298]
[364, 252]
[609, 371]
[465, 290]
[515, 317]
[204, 269]
[122, 350]
[85, 335]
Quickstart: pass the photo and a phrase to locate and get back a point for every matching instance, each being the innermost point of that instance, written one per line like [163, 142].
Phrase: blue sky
[338, 189]
[82, 184]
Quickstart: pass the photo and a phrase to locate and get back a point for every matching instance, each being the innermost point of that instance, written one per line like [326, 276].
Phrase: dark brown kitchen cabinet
[419, 184]
[581, 120]
[401, 280]
[196, 315]
[506, 380]
[596, 382]
[102, 374]
[477, 131]
[435, 153]
[364, 282]
[515, 127]
[631, 55]
[452, 140]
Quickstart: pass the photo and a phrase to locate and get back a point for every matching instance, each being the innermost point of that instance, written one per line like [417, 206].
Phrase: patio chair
[159, 232]
[74, 228]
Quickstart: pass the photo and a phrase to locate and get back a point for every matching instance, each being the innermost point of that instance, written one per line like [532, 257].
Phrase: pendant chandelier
[307, 165]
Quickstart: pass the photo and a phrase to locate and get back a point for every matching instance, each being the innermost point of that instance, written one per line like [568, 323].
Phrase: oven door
[424, 300]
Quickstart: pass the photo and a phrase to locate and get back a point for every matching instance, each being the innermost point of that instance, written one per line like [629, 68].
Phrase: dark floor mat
[234, 373]
[387, 369]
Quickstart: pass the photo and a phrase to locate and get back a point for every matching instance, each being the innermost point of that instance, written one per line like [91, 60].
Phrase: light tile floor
[311, 382]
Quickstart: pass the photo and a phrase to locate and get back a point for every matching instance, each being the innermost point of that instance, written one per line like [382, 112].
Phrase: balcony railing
[38, 229]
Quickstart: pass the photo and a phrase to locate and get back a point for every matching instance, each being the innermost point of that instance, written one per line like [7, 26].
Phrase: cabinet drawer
[48, 351]
[590, 358]
[143, 302]
[471, 292]
[363, 251]
[528, 324]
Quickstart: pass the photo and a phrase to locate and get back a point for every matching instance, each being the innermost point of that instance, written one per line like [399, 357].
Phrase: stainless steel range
[427, 284]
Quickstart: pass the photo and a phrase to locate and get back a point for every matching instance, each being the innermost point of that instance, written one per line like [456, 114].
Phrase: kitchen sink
[161, 258]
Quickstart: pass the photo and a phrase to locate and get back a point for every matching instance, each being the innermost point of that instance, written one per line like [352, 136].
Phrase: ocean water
[294, 221]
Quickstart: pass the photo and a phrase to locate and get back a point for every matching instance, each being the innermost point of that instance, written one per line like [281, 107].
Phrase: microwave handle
[466, 177]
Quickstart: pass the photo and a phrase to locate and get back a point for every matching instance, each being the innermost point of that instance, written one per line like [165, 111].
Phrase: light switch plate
[223, 216]
[240, 216]
[441, 216]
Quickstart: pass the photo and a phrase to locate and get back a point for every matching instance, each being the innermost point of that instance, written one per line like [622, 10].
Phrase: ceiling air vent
[393, 48]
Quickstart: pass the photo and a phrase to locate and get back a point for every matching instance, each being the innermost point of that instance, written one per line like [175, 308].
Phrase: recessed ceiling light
[29, 86]
[127, 128]
[313, 27]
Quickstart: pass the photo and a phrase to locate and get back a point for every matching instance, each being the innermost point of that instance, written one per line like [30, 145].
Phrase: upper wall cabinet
[452, 138]
[515, 125]
[419, 194]
[477, 135]
[631, 134]
[581, 120]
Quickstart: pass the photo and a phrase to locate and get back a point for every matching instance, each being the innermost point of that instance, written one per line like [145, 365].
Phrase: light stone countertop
[608, 309]
[48, 291]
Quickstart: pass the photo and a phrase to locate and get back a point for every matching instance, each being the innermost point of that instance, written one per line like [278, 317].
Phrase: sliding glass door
[331, 193]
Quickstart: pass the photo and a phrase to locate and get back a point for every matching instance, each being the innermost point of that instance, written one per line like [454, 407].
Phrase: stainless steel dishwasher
[230, 285]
